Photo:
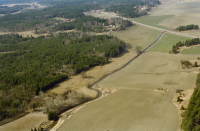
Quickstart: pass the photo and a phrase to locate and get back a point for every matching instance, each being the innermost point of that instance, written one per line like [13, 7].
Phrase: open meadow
[137, 35]
[191, 50]
[165, 44]
[153, 20]
[137, 106]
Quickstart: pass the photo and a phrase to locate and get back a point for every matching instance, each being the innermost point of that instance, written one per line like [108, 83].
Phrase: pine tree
[195, 64]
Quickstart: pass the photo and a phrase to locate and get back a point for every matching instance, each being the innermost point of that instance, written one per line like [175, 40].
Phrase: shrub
[195, 64]
[182, 107]
[52, 115]
[178, 99]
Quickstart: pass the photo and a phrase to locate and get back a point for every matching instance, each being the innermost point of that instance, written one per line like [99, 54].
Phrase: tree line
[131, 8]
[39, 63]
[189, 42]
[187, 27]
[191, 118]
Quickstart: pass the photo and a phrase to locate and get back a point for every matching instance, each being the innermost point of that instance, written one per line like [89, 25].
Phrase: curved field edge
[164, 45]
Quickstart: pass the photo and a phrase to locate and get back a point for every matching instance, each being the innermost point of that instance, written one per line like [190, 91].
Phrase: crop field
[183, 19]
[192, 32]
[25, 123]
[137, 35]
[186, 13]
[137, 106]
[165, 44]
[192, 50]
[153, 20]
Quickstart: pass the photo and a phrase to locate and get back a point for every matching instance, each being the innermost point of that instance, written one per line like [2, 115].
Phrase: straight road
[173, 32]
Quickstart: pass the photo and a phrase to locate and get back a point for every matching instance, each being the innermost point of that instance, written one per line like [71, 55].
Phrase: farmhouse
[67, 20]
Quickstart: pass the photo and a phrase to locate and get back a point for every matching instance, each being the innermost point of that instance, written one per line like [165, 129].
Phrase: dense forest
[131, 9]
[34, 64]
[85, 24]
[191, 120]
[187, 27]
[36, 19]
[187, 43]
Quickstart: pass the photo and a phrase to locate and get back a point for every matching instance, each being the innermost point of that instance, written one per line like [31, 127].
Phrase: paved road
[173, 32]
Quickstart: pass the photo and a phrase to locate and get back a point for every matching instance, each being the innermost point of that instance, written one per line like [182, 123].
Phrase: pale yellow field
[25, 123]
[186, 12]
[137, 107]
[97, 14]
[192, 33]
[138, 35]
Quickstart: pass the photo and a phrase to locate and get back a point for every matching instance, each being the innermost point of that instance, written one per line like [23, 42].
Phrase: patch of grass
[192, 50]
[153, 20]
[138, 35]
[165, 44]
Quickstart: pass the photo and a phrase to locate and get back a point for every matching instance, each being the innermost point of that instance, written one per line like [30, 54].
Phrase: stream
[98, 91]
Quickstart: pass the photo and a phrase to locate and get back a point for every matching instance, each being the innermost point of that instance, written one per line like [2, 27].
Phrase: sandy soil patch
[25, 123]
[185, 95]
[162, 90]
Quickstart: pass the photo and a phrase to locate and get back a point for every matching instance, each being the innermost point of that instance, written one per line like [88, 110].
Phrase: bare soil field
[137, 35]
[25, 123]
[137, 106]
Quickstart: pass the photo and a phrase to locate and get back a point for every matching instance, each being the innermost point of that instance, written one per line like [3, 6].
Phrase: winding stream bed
[98, 91]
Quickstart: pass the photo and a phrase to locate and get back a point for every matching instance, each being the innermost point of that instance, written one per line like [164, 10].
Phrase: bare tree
[59, 100]
[49, 102]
